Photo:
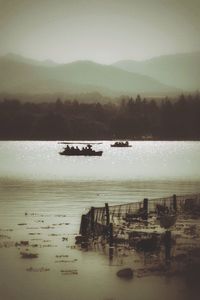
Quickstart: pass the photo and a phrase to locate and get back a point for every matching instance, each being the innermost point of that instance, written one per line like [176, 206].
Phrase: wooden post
[167, 241]
[92, 219]
[111, 234]
[111, 251]
[174, 203]
[84, 225]
[107, 214]
[145, 207]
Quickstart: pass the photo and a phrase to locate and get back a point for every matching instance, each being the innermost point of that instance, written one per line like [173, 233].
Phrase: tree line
[169, 119]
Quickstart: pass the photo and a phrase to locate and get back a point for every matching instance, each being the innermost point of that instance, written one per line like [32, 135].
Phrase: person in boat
[88, 148]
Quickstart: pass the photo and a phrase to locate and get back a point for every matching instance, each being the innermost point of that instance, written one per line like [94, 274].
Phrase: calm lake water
[54, 189]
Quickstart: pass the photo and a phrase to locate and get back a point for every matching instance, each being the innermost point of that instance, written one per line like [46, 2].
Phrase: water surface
[36, 180]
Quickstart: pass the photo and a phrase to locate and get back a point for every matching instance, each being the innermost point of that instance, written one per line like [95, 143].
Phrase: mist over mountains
[165, 75]
[179, 70]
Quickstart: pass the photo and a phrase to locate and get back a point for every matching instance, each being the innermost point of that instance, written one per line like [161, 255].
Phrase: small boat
[85, 151]
[121, 144]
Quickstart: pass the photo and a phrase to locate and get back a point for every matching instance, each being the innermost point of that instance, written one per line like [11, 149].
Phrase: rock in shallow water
[125, 273]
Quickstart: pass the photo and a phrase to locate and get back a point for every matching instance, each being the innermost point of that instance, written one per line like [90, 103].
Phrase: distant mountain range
[181, 71]
[160, 76]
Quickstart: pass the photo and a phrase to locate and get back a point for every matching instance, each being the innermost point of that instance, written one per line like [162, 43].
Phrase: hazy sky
[104, 31]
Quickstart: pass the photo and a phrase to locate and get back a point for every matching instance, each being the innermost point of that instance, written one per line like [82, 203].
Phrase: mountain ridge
[181, 70]
[17, 74]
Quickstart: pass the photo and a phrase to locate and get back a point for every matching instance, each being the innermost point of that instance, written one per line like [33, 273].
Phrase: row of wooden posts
[90, 227]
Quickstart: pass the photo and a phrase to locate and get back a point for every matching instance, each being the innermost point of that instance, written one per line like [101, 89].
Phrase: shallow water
[36, 180]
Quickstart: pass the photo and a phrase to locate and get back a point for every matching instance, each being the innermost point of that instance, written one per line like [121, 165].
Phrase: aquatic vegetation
[60, 216]
[49, 246]
[60, 256]
[47, 227]
[34, 233]
[22, 243]
[66, 261]
[4, 236]
[69, 272]
[6, 244]
[28, 255]
[31, 269]
[54, 234]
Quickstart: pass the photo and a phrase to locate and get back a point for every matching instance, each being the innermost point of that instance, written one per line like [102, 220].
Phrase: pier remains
[98, 220]
[154, 236]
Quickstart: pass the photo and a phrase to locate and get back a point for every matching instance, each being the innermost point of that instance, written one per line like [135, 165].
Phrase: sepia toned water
[47, 193]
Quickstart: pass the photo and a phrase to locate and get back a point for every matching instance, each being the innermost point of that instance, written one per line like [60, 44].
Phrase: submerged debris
[163, 229]
[69, 272]
[31, 269]
[60, 224]
[28, 255]
[192, 207]
[32, 228]
[24, 243]
[34, 245]
[147, 242]
[47, 227]
[54, 234]
[81, 240]
[66, 261]
[34, 233]
[191, 230]
[6, 244]
[60, 216]
[60, 256]
[49, 245]
[4, 236]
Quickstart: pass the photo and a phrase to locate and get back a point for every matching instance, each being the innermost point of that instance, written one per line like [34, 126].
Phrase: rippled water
[34, 178]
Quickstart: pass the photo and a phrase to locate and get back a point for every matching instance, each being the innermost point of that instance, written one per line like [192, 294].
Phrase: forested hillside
[131, 119]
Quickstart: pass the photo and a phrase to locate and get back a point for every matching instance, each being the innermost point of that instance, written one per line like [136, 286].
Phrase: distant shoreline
[98, 140]
[131, 119]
